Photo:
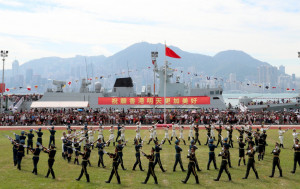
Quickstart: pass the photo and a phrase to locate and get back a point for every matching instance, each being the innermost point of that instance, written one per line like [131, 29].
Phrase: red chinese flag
[7, 89]
[274, 87]
[69, 83]
[287, 89]
[171, 53]
[28, 88]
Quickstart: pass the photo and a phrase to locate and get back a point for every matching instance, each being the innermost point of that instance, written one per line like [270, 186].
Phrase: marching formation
[82, 143]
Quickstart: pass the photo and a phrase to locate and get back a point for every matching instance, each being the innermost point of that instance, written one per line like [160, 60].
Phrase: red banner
[2, 87]
[189, 100]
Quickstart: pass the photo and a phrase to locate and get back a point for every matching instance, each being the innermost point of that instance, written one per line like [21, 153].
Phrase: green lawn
[66, 173]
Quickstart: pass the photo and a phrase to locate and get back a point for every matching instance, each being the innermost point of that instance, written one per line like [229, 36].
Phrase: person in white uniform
[111, 136]
[138, 133]
[191, 135]
[174, 131]
[281, 132]
[122, 130]
[181, 129]
[166, 135]
[212, 131]
[100, 133]
[295, 135]
[151, 137]
[91, 133]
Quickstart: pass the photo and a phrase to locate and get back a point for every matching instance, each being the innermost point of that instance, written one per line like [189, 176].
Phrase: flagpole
[165, 86]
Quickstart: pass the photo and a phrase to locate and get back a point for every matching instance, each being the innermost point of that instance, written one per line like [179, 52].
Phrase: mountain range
[138, 56]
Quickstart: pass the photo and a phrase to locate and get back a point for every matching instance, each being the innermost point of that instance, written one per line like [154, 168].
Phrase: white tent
[59, 104]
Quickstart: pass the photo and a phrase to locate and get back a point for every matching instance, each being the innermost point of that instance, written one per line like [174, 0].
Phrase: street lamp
[154, 55]
[298, 54]
[3, 55]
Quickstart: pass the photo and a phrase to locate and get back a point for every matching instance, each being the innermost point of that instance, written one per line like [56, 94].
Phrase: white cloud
[268, 29]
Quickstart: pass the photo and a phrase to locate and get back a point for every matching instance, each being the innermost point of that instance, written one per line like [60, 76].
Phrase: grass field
[66, 173]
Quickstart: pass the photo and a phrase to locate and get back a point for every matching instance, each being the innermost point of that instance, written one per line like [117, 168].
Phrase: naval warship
[123, 96]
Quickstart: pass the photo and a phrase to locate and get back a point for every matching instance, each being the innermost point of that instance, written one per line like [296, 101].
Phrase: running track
[6, 128]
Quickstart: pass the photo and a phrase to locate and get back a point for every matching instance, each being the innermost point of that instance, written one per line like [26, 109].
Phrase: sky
[268, 30]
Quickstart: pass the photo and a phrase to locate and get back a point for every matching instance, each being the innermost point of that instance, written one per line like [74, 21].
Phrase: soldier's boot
[15, 163]
[78, 179]
[239, 162]
[69, 159]
[48, 173]
[184, 142]
[119, 180]
[149, 141]
[99, 162]
[75, 160]
[171, 138]
[244, 161]
[141, 168]
[110, 177]
[27, 150]
[272, 175]
[162, 169]
[89, 163]
[108, 144]
[197, 180]
[177, 138]
[189, 138]
[146, 180]
[114, 143]
[182, 169]
[246, 176]
[258, 157]
[229, 177]
[87, 178]
[280, 173]
[155, 180]
[52, 173]
[215, 165]
[63, 155]
[256, 174]
[122, 165]
[169, 141]
[282, 146]
[214, 138]
[156, 138]
[218, 178]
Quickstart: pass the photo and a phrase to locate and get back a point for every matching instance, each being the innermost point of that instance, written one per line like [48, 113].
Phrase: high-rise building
[15, 68]
[293, 77]
[29, 74]
[282, 69]
[268, 75]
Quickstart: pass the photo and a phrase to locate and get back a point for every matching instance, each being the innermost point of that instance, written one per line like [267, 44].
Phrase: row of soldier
[73, 140]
